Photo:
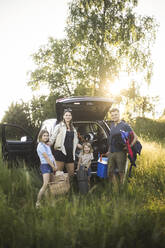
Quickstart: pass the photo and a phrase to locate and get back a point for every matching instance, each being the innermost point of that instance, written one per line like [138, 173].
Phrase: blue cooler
[102, 167]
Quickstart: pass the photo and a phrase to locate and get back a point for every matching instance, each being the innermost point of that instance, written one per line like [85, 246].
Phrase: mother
[65, 142]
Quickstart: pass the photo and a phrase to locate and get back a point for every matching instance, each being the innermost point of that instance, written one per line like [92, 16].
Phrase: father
[117, 151]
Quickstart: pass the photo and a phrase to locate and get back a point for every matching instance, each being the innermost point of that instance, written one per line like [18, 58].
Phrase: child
[85, 158]
[48, 165]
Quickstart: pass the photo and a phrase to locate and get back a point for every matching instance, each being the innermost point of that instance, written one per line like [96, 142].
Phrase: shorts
[117, 162]
[46, 168]
[59, 156]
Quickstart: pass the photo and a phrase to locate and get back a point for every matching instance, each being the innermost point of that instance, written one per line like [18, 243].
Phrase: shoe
[38, 204]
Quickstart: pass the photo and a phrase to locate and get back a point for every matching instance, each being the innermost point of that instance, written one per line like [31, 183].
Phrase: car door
[17, 143]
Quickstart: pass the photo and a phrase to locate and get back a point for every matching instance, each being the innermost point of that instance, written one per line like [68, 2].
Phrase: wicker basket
[60, 184]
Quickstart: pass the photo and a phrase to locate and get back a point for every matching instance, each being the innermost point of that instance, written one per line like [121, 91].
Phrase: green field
[132, 215]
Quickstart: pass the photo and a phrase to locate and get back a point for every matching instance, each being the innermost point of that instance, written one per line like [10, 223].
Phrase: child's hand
[54, 169]
[106, 154]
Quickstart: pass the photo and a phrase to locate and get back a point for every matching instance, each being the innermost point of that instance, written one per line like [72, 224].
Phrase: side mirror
[24, 139]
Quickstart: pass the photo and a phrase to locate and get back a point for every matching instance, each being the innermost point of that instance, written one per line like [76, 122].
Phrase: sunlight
[122, 82]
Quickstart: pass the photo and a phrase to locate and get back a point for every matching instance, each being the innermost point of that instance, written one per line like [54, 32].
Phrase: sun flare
[122, 82]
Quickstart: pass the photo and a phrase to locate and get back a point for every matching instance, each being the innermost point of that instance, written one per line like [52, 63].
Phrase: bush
[149, 129]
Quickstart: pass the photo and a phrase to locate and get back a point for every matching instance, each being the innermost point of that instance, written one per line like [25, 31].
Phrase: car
[88, 119]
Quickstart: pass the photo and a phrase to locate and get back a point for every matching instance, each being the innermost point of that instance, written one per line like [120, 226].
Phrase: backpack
[132, 151]
[82, 178]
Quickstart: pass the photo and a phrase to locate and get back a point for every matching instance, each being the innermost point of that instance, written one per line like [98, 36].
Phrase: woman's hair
[71, 122]
[41, 134]
[87, 144]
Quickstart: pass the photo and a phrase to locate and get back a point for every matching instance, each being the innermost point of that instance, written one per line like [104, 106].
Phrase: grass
[132, 215]
[149, 129]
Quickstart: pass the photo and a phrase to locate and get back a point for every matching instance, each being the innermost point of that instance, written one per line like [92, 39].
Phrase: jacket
[58, 138]
[132, 151]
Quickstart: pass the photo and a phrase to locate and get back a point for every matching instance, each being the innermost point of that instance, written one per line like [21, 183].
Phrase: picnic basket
[60, 184]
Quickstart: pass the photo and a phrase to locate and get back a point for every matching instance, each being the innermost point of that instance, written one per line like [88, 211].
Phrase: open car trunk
[96, 133]
[84, 108]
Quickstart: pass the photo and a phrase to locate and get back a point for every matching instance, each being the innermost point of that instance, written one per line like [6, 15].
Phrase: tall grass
[149, 129]
[131, 215]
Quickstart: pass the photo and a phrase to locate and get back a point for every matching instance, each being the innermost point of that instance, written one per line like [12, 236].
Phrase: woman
[48, 165]
[65, 142]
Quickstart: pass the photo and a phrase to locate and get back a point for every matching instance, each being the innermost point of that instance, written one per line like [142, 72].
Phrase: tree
[135, 104]
[107, 36]
[31, 115]
[19, 113]
[102, 38]
[42, 108]
[53, 69]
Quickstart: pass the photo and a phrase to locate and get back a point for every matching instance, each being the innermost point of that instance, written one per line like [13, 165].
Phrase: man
[117, 151]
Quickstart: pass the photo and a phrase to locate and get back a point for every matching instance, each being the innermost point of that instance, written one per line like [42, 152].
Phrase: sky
[26, 25]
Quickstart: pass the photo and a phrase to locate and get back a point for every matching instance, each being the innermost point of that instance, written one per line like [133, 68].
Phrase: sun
[122, 82]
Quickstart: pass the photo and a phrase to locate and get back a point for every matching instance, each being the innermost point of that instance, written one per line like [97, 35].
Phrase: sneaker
[38, 204]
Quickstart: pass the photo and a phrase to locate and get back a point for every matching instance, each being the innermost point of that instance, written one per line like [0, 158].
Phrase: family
[65, 141]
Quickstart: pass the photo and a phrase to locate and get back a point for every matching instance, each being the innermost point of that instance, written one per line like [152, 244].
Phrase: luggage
[60, 184]
[102, 167]
[82, 178]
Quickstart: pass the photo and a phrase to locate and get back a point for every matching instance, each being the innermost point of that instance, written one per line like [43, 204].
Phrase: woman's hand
[79, 146]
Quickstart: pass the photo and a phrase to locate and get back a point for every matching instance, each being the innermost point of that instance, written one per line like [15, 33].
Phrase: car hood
[84, 108]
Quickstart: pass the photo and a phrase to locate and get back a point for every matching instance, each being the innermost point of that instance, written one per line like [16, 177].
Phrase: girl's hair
[87, 144]
[41, 134]
[71, 122]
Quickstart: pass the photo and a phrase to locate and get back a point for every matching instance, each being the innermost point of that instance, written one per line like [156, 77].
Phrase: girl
[65, 142]
[85, 158]
[48, 165]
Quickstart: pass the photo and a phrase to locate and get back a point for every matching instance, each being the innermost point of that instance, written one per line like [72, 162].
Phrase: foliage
[135, 104]
[53, 61]
[43, 108]
[102, 38]
[106, 37]
[150, 129]
[31, 115]
[19, 113]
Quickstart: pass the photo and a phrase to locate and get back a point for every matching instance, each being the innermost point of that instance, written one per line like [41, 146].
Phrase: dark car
[88, 119]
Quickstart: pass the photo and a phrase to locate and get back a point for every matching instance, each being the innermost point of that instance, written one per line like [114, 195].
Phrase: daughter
[48, 165]
[85, 158]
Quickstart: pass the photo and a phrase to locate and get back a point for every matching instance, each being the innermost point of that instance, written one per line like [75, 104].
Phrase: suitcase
[82, 178]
